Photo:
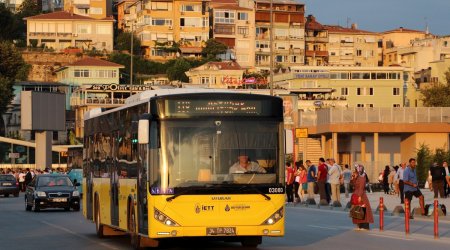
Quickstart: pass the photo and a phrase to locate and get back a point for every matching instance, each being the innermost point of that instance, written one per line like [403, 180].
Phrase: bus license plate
[220, 231]
[59, 200]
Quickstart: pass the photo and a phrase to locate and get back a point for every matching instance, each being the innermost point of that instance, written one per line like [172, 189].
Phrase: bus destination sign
[213, 107]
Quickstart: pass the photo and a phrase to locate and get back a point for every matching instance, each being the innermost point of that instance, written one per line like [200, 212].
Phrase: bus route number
[276, 190]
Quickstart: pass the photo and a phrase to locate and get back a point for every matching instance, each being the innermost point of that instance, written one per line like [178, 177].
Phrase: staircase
[313, 149]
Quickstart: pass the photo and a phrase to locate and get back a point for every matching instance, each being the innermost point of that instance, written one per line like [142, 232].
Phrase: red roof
[340, 29]
[63, 15]
[90, 61]
[312, 24]
[401, 29]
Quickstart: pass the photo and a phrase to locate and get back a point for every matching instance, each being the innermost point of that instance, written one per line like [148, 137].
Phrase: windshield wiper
[169, 199]
[258, 191]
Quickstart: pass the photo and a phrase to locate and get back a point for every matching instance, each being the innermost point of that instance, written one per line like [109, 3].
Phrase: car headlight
[164, 219]
[40, 194]
[274, 217]
[76, 193]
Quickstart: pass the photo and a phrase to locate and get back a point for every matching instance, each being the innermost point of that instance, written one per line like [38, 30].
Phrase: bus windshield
[216, 152]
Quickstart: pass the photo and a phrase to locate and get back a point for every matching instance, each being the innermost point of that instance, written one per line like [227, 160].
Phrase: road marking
[79, 235]
[322, 227]
[391, 237]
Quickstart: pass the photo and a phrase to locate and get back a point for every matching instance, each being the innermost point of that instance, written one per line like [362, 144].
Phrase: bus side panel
[85, 195]
[127, 188]
[102, 189]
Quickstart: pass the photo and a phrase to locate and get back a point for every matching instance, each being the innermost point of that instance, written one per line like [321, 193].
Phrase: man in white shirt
[401, 184]
[334, 174]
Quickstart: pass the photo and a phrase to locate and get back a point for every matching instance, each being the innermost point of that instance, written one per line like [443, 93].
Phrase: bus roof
[145, 96]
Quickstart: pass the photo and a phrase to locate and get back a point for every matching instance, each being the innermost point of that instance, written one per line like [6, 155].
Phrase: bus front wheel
[251, 241]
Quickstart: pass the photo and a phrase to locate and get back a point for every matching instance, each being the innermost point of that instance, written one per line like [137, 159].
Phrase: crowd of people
[24, 176]
[304, 180]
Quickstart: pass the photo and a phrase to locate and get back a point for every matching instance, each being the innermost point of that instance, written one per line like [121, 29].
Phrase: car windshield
[218, 152]
[7, 178]
[50, 181]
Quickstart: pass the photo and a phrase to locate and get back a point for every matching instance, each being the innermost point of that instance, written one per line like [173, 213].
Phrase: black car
[52, 191]
[9, 185]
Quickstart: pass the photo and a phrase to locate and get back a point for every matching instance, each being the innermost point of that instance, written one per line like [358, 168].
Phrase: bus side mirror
[143, 131]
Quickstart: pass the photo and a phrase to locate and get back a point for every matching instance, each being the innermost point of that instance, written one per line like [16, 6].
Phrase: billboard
[290, 113]
[43, 111]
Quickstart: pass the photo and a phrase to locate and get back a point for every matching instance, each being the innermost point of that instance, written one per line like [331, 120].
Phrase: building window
[358, 52]
[84, 29]
[396, 91]
[104, 29]
[370, 105]
[96, 11]
[242, 16]
[204, 80]
[396, 105]
[81, 73]
[161, 22]
[196, 8]
[344, 91]
[242, 30]
[359, 91]
[157, 52]
[224, 17]
[370, 91]
[360, 105]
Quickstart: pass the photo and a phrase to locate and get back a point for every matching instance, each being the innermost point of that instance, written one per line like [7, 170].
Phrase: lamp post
[131, 62]
[271, 49]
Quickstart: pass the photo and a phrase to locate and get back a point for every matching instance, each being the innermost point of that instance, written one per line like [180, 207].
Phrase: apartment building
[12, 5]
[288, 33]
[234, 26]
[98, 9]
[397, 38]
[123, 11]
[352, 46]
[168, 29]
[316, 37]
[59, 30]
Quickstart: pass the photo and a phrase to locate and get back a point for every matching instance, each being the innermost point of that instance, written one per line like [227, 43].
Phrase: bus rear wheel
[134, 236]
[98, 225]
[251, 241]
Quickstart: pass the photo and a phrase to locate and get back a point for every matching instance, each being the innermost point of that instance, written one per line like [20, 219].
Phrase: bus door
[142, 191]
[114, 187]
[89, 194]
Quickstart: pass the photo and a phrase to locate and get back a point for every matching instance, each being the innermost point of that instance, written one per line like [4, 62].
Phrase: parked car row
[9, 185]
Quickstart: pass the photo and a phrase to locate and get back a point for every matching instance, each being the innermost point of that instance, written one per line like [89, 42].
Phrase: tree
[28, 8]
[213, 48]
[123, 42]
[424, 158]
[10, 25]
[176, 72]
[12, 67]
[437, 94]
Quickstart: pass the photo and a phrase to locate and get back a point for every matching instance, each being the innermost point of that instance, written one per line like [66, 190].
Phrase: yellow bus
[186, 163]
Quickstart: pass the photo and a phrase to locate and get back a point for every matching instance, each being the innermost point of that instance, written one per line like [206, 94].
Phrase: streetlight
[131, 63]
[271, 49]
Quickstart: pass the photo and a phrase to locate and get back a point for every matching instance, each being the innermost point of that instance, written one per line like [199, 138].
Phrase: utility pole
[131, 63]
[271, 49]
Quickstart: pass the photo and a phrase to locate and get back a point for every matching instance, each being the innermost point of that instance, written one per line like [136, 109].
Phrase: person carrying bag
[360, 212]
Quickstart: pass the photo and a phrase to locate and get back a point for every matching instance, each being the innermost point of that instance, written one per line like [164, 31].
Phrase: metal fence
[374, 115]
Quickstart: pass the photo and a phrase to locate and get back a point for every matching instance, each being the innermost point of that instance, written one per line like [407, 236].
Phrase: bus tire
[251, 241]
[134, 236]
[98, 225]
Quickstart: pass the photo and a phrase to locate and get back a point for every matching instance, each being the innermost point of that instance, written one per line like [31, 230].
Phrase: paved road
[307, 228]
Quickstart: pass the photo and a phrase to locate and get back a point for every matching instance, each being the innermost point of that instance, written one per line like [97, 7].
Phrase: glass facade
[24, 155]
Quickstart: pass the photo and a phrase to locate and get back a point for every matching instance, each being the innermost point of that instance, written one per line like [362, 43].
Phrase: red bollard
[406, 216]
[436, 219]
[381, 214]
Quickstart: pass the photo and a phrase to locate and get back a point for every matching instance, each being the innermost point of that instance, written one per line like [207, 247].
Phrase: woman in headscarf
[359, 182]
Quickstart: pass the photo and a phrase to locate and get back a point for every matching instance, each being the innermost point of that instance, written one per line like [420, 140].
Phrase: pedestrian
[303, 187]
[28, 177]
[311, 179]
[447, 179]
[347, 175]
[21, 181]
[359, 182]
[438, 177]
[412, 185]
[297, 180]
[401, 184]
[391, 177]
[335, 174]
[290, 182]
[322, 175]
[386, 179]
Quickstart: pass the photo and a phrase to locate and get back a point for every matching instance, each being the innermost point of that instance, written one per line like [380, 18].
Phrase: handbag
[358, 212]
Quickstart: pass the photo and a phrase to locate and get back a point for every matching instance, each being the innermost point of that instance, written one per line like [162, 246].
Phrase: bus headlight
[164, 219]
[76, 193]
[274, 217]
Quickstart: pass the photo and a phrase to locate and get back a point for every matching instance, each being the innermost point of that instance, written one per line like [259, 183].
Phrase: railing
[74, 101]
[374, 115]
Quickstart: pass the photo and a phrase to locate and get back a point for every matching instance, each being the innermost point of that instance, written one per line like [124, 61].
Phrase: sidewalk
[390, 202]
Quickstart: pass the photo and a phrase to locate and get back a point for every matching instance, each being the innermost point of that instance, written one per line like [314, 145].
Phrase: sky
[383, 15]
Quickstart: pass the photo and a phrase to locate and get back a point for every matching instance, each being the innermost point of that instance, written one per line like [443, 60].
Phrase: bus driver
[244, 165]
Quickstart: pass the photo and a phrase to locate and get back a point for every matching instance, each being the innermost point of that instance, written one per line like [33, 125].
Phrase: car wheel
[27, 207]
[67, 209]
[76, 208]
[6, 195]
[35, 207]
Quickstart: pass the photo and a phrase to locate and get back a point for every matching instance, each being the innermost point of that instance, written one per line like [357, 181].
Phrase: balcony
[316, 39]
[316, 53]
